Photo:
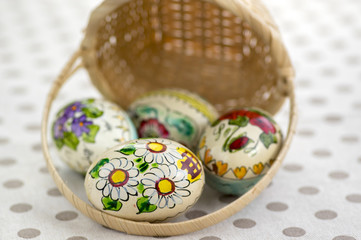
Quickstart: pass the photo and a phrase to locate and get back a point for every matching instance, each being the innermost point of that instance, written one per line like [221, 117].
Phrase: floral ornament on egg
[80, 125]
[75, 122]
[152, 128]
[242, 118]
[157, 151]
[117, 181]
[165, 186]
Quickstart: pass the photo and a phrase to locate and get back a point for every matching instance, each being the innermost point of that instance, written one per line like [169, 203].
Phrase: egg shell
[86, 128]
[145, 180]
[238, 149]
[174, 114]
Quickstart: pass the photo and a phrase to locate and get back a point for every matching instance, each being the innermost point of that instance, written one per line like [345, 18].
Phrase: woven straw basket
[228, 51]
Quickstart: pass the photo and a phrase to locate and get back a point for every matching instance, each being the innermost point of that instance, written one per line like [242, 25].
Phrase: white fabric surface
[315, 195]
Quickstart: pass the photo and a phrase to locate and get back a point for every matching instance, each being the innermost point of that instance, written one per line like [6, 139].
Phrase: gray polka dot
[77, 238]
[338, 44]
[26, 108]
[7, 161]
[348, 19]
[324, 30]
[195, 214]
[287, 25]
[325, 214]
[244, 223]
[328, 72]
[210, 238]
[294, 232]
[44, 170]
[35, 46]
[308, 190]
[292, 167]
[304, 83]
[21, 207]
[54, 192]
[333, 118]
[343, 237]
[13, 183]
[349, 139]
[277, 206]
[43, 62]
[48, 79]
[344, 88]
[338, 175]
[352, 60]
[28, 233]
[33, 127]
[7, 57]
[357, 105]
[357, 33]
[64, 36]
[12, 73]
[313, 55]
[228, 198]
[321, 153]
[3, 42]
[66, 216]
[317, 101]
[305, 133]
[18, 90]
[3, 140]
[354, 198]
[37, 147]
[301, 40]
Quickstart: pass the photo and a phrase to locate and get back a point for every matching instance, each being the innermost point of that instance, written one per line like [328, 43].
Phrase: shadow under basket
[228, 51]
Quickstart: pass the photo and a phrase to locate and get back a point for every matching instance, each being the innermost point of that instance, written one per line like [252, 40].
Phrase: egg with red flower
[85, 128]
[238, 149]
[174, 114]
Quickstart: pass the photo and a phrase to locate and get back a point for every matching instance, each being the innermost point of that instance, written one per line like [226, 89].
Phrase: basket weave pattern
[144, 45]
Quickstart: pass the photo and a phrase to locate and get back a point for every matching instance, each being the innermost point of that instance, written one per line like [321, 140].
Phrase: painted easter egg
[84, 129]
[174, 114]
[145, 180]
[238, 149]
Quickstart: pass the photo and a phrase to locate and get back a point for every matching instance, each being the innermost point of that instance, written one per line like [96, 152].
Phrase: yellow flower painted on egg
[207, 156]
[156, 150]
[258, 168]
[165, 186]
[240, 172]
[202, 142]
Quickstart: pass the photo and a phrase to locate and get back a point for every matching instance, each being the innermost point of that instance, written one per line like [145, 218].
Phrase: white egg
[175, 114]
[145, 180]
[238, 149]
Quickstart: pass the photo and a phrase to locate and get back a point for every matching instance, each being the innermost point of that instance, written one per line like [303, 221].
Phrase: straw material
[228, 51]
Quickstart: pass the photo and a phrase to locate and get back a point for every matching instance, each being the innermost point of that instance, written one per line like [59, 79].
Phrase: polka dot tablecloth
[315, 195]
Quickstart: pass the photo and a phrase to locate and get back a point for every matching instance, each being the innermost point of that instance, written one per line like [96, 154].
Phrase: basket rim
[146, 228]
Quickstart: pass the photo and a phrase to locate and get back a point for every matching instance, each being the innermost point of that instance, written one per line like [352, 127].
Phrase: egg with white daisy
[145, 180]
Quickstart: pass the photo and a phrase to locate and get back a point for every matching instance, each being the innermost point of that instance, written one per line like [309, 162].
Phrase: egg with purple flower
[84, 129]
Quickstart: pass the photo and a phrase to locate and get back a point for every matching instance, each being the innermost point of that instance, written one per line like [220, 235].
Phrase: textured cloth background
[315, 195]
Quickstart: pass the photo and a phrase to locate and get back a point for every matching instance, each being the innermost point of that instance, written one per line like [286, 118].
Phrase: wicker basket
[228, 51]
